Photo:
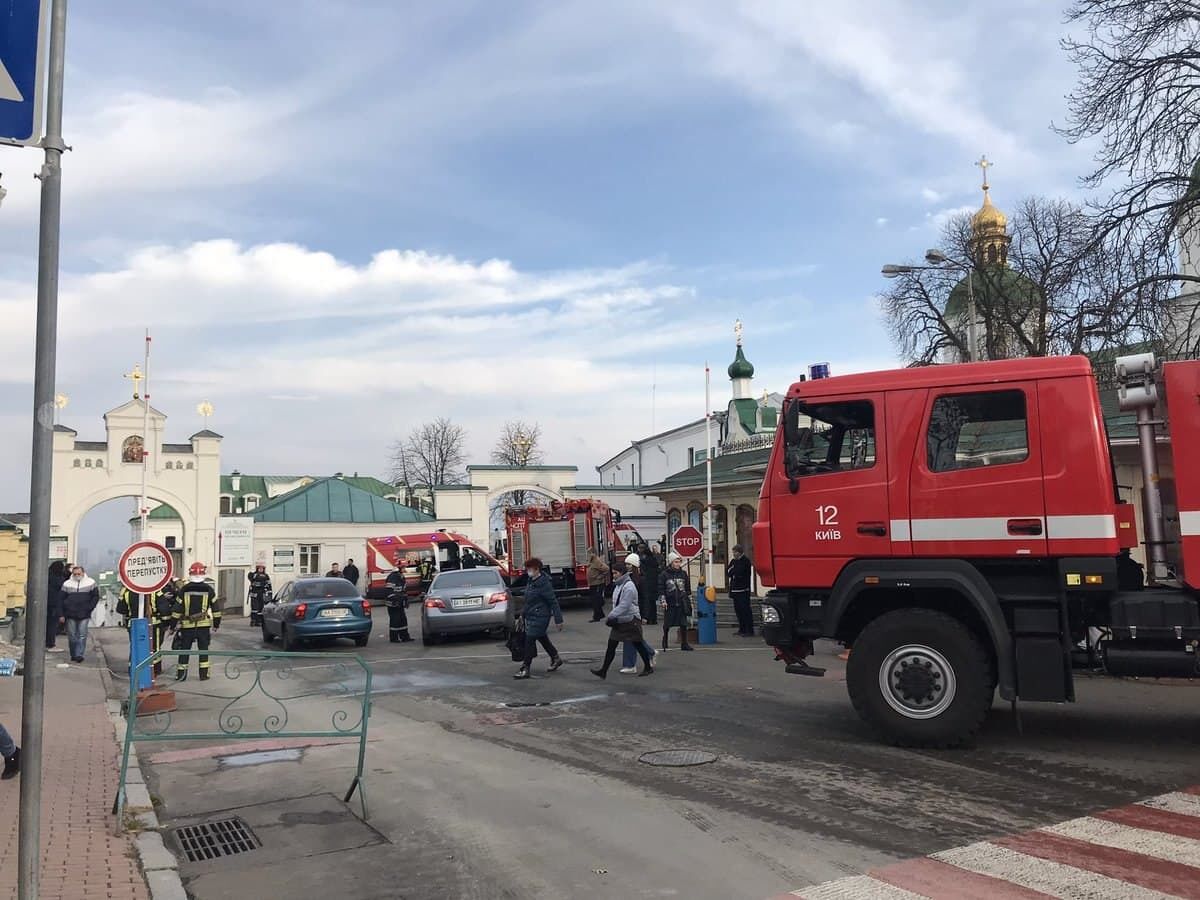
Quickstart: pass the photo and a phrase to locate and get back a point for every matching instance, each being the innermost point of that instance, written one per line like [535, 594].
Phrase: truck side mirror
[794, 485]
[791, 422]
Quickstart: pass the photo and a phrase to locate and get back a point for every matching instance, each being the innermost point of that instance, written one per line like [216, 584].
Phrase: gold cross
[136, 377]
[984, 164]
[737, 331]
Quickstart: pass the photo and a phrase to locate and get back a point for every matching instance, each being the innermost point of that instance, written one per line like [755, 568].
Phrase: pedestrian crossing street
[1138, 852]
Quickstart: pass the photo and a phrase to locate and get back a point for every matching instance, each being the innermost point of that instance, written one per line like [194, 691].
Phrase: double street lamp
[936, 259]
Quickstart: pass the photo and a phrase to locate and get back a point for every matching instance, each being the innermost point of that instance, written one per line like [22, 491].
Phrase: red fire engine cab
[563, 535]
[421, 556]
[960, 529]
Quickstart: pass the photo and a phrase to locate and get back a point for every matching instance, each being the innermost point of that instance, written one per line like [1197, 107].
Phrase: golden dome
[989, 219]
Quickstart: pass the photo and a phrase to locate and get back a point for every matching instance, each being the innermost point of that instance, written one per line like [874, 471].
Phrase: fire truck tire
[921, 678]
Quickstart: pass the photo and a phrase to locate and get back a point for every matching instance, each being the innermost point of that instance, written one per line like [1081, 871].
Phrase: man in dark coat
[650, 574]
[541, 604]
[737, 580]
[350, 573]
[54, 611]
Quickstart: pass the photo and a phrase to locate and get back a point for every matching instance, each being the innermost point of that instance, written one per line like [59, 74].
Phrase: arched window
[191, 465]
[78, 463]
[87, 463]
[99, 464]
[226, 505]
[695, 515]
[993, 256]
[133, 450]
[720, 535]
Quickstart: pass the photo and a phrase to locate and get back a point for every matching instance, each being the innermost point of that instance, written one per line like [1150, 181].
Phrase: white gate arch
[184, 476]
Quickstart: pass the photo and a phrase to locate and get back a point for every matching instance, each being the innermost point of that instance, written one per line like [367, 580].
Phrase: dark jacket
[350, 573]
[541, 604]
[54, 600]
[675, 590]
[79, 598]
[737, 574]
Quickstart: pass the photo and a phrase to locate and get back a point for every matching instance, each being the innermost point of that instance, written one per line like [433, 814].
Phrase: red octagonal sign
[687, 541]
[145, 567]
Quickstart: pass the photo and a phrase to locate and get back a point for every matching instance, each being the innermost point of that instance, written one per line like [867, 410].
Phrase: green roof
[997, 285]
[747, 411]
[260, 485]
[161, 512]
[740, 367]
[728, 468]
[335, 500]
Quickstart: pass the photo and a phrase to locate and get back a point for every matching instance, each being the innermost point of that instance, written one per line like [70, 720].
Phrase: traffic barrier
[255, 695]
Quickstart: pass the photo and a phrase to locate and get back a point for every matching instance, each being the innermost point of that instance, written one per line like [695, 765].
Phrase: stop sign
[145, 567]
[687, 541]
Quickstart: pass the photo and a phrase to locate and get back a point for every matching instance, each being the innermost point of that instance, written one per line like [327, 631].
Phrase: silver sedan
[463, 602]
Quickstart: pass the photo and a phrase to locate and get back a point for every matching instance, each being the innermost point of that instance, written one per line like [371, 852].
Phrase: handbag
[612, 622]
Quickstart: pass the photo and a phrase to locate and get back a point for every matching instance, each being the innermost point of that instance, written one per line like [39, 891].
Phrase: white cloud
[881, 221]
[929, 195]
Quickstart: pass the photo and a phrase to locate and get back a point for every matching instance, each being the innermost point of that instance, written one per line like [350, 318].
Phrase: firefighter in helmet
[128, 606]
[260, 590]
[397, 607]
[162, 616]
[196, 616]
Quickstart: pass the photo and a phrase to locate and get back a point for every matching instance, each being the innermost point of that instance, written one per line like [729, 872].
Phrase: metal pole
[1152, 512]
[708, 574]
[972, 338]
[29, 841]
[143, 507]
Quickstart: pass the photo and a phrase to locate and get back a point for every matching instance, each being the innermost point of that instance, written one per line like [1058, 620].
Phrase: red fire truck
[563, 535]
[961, 529]
[421, 556]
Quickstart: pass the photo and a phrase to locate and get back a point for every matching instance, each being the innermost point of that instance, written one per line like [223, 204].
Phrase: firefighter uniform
[196, 615]
[162, 614]
[397, 607]
[260, 587]
[128, 606]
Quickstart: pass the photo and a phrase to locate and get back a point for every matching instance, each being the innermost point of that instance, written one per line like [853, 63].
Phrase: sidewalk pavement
[83, 858]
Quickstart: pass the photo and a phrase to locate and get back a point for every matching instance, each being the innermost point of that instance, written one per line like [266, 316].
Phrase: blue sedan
[317, 608]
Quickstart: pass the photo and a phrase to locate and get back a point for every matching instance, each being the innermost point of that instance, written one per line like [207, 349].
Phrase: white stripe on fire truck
[1189, 523]
[995, 528]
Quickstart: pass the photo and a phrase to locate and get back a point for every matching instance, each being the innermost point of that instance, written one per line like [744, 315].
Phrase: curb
[159, 865]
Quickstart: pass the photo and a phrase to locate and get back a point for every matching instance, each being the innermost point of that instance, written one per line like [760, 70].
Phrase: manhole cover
[677, 757]
[210, 840]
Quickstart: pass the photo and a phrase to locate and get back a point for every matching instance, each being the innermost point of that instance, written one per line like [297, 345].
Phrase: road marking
[1145, 850]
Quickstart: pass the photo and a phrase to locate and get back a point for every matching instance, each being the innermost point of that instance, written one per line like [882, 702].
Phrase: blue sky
[341, 219]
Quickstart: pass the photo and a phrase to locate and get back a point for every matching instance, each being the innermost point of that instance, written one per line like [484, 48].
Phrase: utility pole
[29, 841]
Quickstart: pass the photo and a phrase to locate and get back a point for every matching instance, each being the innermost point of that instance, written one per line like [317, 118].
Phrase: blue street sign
[22, 69]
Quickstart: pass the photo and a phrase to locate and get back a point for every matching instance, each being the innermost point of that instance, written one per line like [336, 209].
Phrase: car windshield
[330, 588]
[467, 579]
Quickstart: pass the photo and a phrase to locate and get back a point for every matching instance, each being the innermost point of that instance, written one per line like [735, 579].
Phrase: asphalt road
[482, 786]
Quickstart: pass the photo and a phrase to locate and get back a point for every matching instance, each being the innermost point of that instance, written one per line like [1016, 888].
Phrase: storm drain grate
[211, 840]
[677, 758]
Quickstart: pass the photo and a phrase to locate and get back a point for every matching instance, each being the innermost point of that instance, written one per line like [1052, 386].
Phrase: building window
[720, 537]
[191, 465]
[310, 559]
[133, 450]
[674, 520]
[699, 456]
[170, 542]
[79, 464]
[841, 437]
[87, 463]
[251, 502]
[695, 515]
[968, 431]
[99, 464]
[226, 504]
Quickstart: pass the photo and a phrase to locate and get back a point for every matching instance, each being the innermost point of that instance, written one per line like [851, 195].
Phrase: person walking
[737, 581]
[397, 607]
[651, 569]
[626, 621]
[629, 650]
[541, 604]
[54, 611]
[675, 600]
[197, 616]
[11, 753]
[597, 576]
[79, 598]
[335, 572]
[350, 573]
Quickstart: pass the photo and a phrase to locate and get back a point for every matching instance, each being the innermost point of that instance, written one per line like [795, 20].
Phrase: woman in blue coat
[541, 605]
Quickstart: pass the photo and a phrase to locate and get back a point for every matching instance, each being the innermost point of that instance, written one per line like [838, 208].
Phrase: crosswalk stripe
[1122, 836]
[858, 887]
[940, 881]
[1184, 803]
[1044, 875]
[1154, 820]
[1172, 879]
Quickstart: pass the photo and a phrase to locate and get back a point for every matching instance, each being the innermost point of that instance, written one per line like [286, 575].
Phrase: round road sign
[145, 567]
[687, 541]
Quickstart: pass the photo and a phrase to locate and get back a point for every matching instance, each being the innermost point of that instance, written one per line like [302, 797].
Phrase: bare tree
[1060, 292]
[519, 444]
[432, 454]
[1138, 97]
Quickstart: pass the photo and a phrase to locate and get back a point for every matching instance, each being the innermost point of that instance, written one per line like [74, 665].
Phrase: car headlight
[770, 615]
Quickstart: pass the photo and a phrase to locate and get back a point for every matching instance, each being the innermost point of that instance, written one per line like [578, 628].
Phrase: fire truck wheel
[921, 679]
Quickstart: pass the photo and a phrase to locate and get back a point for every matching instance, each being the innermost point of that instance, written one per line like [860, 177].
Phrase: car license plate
[466, 602]
[339, 612]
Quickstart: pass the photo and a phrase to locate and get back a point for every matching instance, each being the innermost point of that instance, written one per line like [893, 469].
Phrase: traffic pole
[29, 842]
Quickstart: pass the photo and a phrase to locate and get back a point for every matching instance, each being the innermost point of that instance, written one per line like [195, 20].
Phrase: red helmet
[198, 568]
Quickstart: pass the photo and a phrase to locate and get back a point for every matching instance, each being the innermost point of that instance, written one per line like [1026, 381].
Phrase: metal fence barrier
[256, 695]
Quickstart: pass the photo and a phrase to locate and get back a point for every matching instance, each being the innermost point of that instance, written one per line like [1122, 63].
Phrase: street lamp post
[937, 260]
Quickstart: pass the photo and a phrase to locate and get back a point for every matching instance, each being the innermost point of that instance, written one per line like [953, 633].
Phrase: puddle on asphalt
[291, 754]
[422, 680]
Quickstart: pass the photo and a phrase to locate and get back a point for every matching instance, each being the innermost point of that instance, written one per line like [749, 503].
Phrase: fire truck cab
[960, 528]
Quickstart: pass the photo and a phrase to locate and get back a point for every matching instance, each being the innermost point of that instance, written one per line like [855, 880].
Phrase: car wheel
[288, 642]
[361, 640]
[267, 637]
[921, 678]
